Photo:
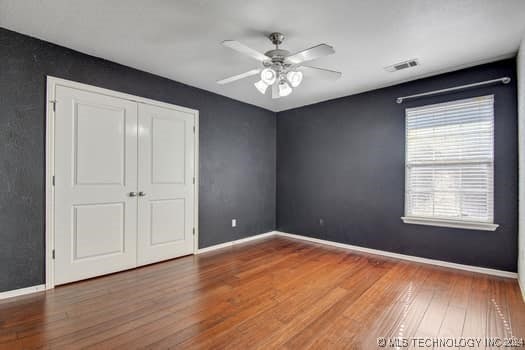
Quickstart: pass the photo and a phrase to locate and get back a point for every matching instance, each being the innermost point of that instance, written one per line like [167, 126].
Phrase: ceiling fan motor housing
[277, 56]
[277, 59]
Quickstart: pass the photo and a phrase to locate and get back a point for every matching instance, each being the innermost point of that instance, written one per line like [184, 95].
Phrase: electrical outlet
[234, 222]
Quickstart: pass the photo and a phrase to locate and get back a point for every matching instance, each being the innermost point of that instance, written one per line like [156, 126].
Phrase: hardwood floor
[273, 293]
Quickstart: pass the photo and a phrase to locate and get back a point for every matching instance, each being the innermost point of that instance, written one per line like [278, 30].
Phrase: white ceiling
[180, 40]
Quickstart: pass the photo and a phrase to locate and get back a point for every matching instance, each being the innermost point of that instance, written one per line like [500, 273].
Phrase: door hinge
[54, 103]
[194, 230]
[194, 129]
[53, 254]
[53, 180]
[194, 180]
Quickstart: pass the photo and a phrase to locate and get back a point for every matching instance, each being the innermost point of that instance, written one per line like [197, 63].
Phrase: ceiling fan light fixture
[268, 76]
[295, 78]
[278, 69]
[284, 89]
[261, 86]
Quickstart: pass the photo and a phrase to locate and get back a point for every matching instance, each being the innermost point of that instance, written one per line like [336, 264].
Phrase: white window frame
[443, 222]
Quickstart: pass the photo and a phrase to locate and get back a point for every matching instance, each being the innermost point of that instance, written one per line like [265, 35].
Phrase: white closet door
[166, 189]
[95, 170]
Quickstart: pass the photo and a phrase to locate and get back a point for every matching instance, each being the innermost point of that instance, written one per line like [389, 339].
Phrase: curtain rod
[504, 80]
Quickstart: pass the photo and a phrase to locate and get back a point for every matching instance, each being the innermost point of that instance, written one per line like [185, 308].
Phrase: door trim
[52, 83]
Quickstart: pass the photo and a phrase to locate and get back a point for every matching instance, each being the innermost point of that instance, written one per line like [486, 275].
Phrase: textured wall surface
[521, 127]
[340, 172]
[237, 151]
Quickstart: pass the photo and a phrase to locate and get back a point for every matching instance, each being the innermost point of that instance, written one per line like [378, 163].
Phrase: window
[449, 164]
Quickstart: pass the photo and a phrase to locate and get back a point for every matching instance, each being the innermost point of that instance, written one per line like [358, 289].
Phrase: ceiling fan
[280, 69]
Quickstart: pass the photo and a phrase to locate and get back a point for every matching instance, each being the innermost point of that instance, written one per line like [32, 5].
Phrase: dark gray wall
[340, 160]
[343, 161]
[237, 151]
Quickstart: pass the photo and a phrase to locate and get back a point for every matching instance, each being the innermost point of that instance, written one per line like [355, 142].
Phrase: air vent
[402, 65]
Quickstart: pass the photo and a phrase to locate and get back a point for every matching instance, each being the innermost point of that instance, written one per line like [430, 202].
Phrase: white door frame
[52, 83]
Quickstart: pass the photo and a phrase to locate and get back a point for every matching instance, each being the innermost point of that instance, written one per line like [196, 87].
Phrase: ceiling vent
[402, 65]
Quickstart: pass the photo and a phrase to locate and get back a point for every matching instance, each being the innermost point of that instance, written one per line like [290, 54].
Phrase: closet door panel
[166, 189]
[95, 171]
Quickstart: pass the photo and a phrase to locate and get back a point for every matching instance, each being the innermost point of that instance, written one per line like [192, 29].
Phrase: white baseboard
[42, 287]
[522, 287]
[22, 291]
[412, 258]
[238, 241]
[484, 270]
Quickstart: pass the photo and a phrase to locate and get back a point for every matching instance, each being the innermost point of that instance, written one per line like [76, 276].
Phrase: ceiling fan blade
[321, 72]
[245, 50]
[275, 90]
[238, 76]
[310, 54]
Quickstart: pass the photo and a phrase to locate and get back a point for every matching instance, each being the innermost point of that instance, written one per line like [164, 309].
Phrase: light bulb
[268, 76]
[294, 78]
[261, 86]
[284, 89]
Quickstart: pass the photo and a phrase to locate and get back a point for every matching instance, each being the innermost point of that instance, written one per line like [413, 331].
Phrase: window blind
[450, 159]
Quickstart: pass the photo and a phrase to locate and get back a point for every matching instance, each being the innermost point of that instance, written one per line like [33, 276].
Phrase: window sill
[450, 223]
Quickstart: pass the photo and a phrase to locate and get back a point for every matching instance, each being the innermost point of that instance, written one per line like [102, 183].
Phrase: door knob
[142, 194]
[133, 194]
